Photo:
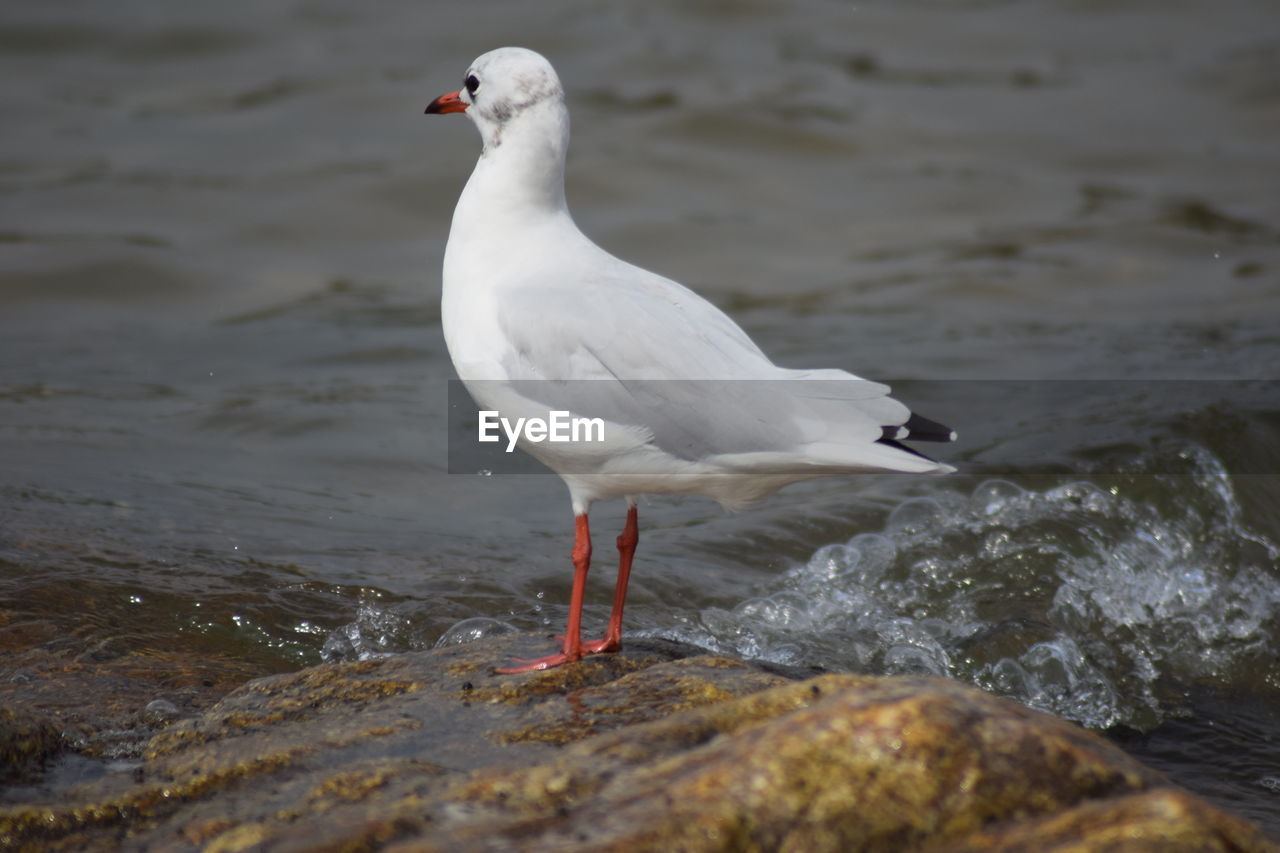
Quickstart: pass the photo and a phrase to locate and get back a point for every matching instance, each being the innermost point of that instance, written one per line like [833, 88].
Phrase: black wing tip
[917, 428]
[920, 428]
[898, 445]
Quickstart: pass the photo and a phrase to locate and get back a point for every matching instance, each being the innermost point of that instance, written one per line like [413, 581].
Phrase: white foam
[1077, 598]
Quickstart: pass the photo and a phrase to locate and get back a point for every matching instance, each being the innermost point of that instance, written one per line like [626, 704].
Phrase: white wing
[607, 339]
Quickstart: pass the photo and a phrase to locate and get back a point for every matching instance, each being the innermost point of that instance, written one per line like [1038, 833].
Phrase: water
[223, 388]
[1076, 599]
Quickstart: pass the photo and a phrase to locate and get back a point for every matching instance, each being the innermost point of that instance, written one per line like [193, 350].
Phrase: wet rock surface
[26, 740]
[658, 747]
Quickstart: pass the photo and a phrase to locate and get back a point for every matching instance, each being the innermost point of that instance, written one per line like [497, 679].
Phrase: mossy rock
[660, 746]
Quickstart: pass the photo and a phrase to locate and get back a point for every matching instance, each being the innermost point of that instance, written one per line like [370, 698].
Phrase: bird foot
[535, 664]
[594, 647]
[608, 644]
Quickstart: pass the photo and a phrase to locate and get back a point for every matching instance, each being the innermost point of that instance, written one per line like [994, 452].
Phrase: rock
[657, 747]
[1157, 821]
[26, 740]
[101, 705]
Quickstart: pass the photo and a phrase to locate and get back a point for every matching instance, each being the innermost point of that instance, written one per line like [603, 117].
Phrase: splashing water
[380, 629]
[376, 632]
[1090, 601]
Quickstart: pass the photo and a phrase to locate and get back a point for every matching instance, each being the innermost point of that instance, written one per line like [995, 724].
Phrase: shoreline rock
[658, 747]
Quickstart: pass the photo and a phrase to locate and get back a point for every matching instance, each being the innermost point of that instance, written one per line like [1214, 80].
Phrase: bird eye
[472, 84]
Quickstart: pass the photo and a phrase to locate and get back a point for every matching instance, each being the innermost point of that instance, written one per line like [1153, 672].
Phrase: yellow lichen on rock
[658, 747]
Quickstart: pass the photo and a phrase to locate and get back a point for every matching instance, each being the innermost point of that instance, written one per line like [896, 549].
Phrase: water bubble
[993, 495]
[913, 660]
[830, 561]
[475, 628]
[915, 515]
[1009, 678]
[1055, 664]
[876, 553]
[160, 712]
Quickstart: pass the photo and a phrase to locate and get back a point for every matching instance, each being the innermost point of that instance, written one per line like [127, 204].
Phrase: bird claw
[593, 647]
[536, 664]
[596, 647]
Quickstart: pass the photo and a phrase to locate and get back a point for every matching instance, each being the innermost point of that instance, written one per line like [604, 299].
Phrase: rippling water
[223, 401]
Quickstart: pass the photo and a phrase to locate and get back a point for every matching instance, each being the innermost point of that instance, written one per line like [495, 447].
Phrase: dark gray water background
[223, 387]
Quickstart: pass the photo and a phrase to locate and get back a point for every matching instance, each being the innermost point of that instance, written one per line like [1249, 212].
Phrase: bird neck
[520, 174]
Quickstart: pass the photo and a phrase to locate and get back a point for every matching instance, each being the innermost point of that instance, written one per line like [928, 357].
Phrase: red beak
[450, 103]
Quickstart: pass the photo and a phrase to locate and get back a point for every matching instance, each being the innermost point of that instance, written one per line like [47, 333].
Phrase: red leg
[572, 649]
[612, 641]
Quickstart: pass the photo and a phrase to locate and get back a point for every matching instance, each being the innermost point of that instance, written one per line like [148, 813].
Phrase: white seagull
[538, 318]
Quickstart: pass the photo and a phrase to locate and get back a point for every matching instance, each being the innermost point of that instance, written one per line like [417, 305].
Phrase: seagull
[538, 318]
